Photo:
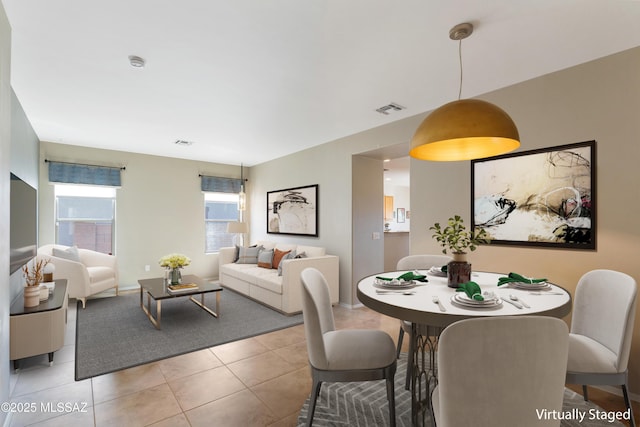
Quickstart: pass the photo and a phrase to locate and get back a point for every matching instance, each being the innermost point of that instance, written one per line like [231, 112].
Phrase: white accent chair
[498, 371]
[345, 355]
[87, 272]
[415, 262]
[601, 330]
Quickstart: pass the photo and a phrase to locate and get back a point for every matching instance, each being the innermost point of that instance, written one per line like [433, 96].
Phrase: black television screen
[23, 230]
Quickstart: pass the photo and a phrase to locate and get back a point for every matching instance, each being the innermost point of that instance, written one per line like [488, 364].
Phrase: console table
[38, 330]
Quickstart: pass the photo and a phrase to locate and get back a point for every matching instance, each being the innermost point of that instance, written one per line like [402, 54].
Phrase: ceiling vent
[386, 109]
[183, 143]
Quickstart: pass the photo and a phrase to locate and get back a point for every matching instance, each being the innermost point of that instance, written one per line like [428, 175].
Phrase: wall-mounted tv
[23, 233]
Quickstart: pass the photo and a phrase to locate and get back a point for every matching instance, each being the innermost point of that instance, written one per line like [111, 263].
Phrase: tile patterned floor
[260, 381]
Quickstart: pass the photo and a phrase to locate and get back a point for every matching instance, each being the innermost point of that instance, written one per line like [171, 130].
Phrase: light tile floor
[260, 381]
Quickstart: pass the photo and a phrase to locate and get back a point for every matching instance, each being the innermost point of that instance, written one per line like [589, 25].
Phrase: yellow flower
[174, 261]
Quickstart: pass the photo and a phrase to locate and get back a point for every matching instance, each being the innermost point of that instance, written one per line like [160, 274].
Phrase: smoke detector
[136, 61]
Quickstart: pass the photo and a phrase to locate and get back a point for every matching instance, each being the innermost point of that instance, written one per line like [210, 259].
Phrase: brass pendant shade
[463, 130]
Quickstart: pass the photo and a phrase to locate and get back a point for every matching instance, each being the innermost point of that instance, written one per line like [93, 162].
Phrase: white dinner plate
[531, 286]
[383, 284]
[466, 302]
[437, 271]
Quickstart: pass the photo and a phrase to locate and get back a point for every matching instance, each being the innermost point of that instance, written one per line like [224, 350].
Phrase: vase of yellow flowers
[455, 238]
[33, 273]
[173, 263]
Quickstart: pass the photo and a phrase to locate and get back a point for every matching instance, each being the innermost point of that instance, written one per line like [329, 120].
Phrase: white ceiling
[252, 80]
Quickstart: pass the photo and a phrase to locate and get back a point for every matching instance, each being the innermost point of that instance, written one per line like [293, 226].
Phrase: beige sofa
[281, 292]
[87, 272]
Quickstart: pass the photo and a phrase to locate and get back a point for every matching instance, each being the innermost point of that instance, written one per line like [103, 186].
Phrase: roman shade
[218, 184]
[75, 173]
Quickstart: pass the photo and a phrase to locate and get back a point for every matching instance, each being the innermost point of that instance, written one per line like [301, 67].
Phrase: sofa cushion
[265, 258]
[248, 255]
[284, 247]
[70, 253]
[277, 256]
[98, 274]
[266, 244]
[289, 255]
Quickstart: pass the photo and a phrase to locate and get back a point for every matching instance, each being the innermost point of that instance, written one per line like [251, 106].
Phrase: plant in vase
[455, 238]
[173, 263]
[33, 273]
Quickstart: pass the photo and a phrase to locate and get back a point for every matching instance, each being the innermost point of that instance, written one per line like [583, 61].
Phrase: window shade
[218, 184]
[74, 173]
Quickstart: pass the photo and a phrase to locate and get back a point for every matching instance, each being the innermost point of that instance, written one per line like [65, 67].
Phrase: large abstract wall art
[542, 197]
[293, 211]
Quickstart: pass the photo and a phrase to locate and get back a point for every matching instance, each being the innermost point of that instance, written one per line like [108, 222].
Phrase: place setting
[517, 281]
[401, 284]
[470, 296]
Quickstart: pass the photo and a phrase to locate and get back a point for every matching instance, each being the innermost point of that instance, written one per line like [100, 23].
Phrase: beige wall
[159, 208]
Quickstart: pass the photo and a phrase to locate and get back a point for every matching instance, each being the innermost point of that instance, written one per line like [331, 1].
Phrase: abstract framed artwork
[293, 211]
[544, 197]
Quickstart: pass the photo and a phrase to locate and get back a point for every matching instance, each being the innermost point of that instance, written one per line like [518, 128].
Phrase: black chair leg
[315, 392]
[392, 401]
[627, 402]
[585, 393]
[400, 336]
[407, 383]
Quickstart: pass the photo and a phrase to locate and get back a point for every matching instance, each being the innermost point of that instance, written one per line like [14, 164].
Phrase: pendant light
[464, 129]
[242, 196]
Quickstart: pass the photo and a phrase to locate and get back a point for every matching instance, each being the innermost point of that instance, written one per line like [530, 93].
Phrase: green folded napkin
[409, 275]
[517, 278]
[472, 289]
[444, 268]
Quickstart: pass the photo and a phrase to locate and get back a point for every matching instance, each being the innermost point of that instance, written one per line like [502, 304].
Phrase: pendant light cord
[460, 58]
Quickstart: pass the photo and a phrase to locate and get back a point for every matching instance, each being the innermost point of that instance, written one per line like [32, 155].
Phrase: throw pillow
[265, 258]
[301, 255]
[289, 255]
[248, 255]
[69, 253]
[277, 256]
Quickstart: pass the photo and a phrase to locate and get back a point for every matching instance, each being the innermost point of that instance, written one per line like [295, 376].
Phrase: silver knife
[515, 304]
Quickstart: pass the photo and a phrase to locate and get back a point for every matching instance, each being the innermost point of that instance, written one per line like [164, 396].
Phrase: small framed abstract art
[544, 197]
[293, 211]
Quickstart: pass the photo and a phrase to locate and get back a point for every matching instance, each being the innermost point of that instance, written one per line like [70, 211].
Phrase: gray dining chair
[342, 355]
[415, 262]
[601, 331]
[501, 371]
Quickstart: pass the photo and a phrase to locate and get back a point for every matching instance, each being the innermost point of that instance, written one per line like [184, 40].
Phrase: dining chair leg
[585, 393]
[391, 395]
[410, 355]
[400, 337]
[627, 402]
[315, 392]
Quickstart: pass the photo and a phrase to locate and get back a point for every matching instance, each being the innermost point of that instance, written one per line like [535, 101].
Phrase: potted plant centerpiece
[455, 238]
[173, 263]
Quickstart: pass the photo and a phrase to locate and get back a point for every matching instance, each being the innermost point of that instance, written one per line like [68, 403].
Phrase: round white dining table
[416, 304]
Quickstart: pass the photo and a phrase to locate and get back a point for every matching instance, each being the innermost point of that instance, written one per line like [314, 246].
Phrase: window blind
[218, 184]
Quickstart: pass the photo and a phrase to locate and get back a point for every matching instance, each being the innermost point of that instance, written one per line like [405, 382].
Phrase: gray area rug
[114, 333]
[365, 404]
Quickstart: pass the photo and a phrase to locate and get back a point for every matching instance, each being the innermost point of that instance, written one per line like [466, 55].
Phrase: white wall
[5, 147]
[159, 208]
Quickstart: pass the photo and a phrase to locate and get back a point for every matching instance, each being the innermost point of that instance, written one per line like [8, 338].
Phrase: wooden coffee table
[156, 288]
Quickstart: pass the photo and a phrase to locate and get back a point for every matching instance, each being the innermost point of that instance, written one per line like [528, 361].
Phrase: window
[219, 210]
[85, 216]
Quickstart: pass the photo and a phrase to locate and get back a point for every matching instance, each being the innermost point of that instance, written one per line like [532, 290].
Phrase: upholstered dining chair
[415, 262]
[342, 355]
[601, 330]
[501, 372]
